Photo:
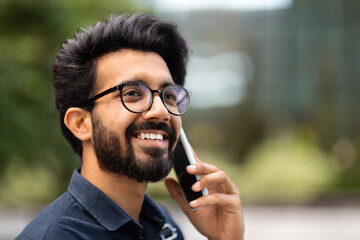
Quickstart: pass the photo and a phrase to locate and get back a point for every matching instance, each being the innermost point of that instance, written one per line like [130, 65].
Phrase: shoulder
[165, 212]
[49, 218]
[159, 213]
[169, 220]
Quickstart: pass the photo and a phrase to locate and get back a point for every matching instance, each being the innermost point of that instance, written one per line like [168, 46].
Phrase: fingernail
[196, 186]
[192, 167]
[193, 203]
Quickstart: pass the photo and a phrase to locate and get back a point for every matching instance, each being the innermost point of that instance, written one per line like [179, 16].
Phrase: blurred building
[300, 65]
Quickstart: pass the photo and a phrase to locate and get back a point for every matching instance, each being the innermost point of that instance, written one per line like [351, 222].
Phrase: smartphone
[183, 156]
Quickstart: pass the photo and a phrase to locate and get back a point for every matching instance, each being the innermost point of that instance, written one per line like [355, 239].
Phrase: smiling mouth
[151, 136]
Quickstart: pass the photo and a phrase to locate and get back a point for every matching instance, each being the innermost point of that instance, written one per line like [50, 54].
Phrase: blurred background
[275, 104]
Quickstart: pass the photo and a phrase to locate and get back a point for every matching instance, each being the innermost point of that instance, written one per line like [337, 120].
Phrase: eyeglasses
[137, 97]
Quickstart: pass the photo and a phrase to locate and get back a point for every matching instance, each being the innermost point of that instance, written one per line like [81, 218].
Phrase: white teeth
[159, 137]
[151, 136]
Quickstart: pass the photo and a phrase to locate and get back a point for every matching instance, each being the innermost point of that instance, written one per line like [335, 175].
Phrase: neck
[125, 192]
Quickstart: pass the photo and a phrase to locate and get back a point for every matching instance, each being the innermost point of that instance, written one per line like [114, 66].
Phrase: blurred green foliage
[290, 168]
[273, 151]
[35, 159]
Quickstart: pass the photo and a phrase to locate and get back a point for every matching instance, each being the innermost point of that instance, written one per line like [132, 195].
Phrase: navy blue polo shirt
[85, 212]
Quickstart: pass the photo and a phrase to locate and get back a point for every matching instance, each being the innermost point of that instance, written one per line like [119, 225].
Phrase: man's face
[124, 141]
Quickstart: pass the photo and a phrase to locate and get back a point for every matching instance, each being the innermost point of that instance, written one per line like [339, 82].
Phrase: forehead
[128, 65]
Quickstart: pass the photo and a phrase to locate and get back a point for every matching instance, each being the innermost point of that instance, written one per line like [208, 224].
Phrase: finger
[218, 179]
[201, 168]
[232, 202]
[175, 191]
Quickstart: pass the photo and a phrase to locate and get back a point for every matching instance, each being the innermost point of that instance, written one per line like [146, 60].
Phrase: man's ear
[79, 123]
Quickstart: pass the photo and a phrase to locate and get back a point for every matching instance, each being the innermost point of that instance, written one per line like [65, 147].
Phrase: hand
[218, 215]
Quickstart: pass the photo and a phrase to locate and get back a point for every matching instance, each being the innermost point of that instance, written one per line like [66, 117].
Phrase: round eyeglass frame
[152, 91]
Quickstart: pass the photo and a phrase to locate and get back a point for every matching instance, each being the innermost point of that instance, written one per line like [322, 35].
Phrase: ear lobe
[78, 121]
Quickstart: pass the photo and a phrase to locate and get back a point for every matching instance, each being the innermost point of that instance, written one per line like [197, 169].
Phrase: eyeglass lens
[137, 97]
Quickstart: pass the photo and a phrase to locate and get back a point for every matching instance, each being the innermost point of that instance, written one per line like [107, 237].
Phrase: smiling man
[118, 88]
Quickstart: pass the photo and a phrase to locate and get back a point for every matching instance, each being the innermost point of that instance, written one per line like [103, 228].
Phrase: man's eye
[170, 96]
[132, 93]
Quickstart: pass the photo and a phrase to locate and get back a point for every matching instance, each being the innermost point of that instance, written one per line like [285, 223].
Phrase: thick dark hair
[74, 68]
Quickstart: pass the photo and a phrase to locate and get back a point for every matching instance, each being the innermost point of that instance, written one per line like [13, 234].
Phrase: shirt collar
[105, 210]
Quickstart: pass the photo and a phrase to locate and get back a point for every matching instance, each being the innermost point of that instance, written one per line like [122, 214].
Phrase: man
[118, 89]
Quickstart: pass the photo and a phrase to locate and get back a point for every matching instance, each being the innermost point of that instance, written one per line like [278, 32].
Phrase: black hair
[74, 68]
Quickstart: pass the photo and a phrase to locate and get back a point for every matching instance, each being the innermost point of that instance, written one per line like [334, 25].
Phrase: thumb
[175, 191]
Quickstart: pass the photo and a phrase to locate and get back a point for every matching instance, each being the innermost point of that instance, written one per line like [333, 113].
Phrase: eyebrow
[167, 83]
[164, 84]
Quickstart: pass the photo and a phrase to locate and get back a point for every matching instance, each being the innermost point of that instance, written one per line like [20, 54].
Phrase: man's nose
[157, 110]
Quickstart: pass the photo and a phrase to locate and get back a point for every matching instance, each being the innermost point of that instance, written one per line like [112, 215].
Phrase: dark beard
[115, 158]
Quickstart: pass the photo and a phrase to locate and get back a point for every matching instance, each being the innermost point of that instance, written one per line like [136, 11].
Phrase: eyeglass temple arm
[94, 98]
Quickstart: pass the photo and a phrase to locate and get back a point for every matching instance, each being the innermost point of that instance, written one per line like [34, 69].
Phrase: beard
[115, 157]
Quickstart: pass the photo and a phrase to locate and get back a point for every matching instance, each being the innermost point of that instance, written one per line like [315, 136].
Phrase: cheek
[118, 121]
[176, 124]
